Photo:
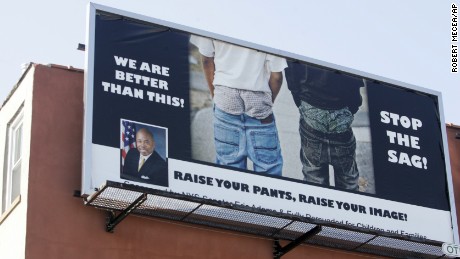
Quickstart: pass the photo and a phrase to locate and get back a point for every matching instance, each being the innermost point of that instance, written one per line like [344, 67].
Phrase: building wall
[454, 153]
[49, 222]
[13, 221]
[60, 226]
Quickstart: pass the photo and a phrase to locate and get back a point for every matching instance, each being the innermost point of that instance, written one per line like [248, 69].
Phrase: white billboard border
[87, 99]
[89, 77]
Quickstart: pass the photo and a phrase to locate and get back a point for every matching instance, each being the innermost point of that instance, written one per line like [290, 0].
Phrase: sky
[407, 41]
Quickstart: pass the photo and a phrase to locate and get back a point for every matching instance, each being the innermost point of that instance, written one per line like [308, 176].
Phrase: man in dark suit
[143, 163]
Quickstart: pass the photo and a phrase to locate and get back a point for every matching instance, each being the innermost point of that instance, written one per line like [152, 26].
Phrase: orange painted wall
[60, 226]
[454, 153]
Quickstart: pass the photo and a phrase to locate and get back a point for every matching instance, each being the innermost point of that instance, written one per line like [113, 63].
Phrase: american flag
[128, 138]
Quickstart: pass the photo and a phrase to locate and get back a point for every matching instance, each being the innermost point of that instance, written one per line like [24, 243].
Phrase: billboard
[174, 108]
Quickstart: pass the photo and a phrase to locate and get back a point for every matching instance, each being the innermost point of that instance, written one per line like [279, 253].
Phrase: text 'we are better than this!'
[142, 80]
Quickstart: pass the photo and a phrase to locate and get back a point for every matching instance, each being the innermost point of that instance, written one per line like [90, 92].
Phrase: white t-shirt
[239, 67]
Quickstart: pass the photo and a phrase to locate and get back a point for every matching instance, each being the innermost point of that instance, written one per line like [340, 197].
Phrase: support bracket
[279, 250]
[113, 221]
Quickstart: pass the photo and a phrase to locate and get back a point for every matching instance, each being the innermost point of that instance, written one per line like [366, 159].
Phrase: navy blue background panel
[165, 98]
[398, 175]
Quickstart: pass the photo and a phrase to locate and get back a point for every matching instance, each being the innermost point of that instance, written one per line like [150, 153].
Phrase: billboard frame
[89, 77]
[148, 202]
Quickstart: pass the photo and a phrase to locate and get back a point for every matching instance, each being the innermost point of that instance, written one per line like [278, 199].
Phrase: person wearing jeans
[243, 84]
[238, 137]
[327, 101]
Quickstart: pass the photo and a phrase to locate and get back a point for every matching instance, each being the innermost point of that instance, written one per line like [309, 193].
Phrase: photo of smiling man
[143, 162]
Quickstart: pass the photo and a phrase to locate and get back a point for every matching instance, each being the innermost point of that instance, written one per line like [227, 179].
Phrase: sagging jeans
[327, 139]
[238, 137]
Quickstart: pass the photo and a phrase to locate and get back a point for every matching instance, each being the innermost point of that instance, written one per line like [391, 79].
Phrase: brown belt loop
[268, 119]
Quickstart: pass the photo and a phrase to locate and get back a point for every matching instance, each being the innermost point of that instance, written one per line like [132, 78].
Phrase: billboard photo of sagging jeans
[235, 123]
[324, 137]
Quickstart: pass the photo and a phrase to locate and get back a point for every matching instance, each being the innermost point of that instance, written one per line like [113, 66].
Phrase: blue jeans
[238, 137]
[327, 139]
